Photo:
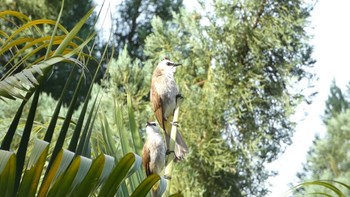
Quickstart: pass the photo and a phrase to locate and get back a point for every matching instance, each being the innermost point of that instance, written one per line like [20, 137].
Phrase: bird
[154, 150]
[163, 96]
[153, 153]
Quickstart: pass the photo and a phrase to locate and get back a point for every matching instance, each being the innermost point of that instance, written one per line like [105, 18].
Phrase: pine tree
[337, 102]
[328, 157]
[133, 22]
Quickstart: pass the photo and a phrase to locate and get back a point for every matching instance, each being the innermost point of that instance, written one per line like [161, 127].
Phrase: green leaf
[64, 129]
[54, 30]
[84, 168]
[75, 137]
[123, 135]
[23, 146]
[18, 15]
[91, 179]
[119, 173]
[107, 135]
[62, 161]
[51, 128]
[64, 183]
[31, 177]
[137, 164]
[84, 139]
[136, 141]
[146, 185]
[176, 195]
[319, 193]
[7, 173]
[135, 136]
[340, 183]
[323, 183]
[107, 169]
[7, 85]
[6, 143]
[72, 33]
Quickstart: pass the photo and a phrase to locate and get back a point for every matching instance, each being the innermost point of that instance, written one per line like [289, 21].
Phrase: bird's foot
[168, 177]
[175, 123]
[168, 152]
[179, 98]
[178, 158]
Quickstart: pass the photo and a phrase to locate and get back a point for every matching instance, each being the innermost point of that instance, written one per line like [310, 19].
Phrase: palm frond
[70, 172]
[13, 84]
[328, 184]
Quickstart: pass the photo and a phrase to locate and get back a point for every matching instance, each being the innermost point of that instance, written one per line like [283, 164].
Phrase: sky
[331, 41]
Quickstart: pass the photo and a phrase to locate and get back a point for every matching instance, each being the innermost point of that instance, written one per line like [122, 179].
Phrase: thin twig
[169, 167]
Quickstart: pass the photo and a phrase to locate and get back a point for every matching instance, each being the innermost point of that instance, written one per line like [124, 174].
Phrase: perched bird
[154, 151]
[164, 94]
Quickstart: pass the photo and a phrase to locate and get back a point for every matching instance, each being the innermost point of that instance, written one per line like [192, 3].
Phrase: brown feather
[146, 160]
[157, 105]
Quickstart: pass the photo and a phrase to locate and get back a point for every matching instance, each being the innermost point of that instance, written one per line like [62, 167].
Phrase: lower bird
[154, 151]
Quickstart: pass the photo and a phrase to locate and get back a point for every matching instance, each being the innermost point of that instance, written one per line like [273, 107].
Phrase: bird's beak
[177, 64]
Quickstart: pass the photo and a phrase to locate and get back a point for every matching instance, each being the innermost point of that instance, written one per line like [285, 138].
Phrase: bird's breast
[167, 90]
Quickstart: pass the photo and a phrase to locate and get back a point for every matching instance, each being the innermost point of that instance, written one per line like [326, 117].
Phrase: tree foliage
[337, 102]
[241, 60]
[133, 22]
[328, 157]
[70, 170]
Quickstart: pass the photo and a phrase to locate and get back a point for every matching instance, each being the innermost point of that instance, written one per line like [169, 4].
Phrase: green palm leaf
[30, 180]
[61, 163]
[329, 184]
[69, 173]
[7, 173]
[11, 85]
[119, 173]
[147, 184]
[91, 180]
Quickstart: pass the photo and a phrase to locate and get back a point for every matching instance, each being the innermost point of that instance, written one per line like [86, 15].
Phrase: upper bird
[164, 94]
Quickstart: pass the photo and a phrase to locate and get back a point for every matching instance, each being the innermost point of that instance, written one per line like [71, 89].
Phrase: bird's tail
[180, 147]
[154, 191]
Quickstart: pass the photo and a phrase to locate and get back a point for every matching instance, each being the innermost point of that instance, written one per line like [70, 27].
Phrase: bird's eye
[151, 124]
[169, 64]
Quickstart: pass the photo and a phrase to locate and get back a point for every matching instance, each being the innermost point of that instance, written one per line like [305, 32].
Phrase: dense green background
[243, 64]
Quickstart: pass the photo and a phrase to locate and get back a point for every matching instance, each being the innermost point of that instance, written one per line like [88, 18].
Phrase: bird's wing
[157, 106]
[146, 159]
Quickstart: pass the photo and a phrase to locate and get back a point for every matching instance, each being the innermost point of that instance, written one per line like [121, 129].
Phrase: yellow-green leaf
[31, 177]
[7, 173]
[147, 184]
[91, 179]
[64, 182]
[119, 173]
[60, 164]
